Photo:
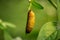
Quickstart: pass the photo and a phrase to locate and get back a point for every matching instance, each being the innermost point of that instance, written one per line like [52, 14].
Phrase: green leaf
[52, 36]
[37, 5]
[10, 24]
[46, 30]
[5, 25]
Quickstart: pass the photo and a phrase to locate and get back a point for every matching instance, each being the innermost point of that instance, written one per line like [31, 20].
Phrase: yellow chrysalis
[30, 21]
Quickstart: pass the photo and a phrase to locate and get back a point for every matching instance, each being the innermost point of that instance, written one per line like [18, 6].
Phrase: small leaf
[37, 5]
[10, 25]
[5, 25]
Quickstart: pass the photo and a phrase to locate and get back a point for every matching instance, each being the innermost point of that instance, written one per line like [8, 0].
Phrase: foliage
[15, 11]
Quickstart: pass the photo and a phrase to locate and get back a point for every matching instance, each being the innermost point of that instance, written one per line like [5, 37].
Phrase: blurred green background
[16, 11]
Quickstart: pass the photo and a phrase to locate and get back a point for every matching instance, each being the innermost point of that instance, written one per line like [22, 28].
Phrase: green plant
[31, 15]
[4, 34]
[16, 11]
[49, 30]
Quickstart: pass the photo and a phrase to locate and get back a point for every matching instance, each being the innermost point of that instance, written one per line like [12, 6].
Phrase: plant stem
[30, 4]
[53, 4]
[1, 34]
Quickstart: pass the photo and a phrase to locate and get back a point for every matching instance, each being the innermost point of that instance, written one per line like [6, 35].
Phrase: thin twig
[53, 4]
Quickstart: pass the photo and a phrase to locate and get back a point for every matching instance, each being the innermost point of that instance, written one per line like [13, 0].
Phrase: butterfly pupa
[30, 21]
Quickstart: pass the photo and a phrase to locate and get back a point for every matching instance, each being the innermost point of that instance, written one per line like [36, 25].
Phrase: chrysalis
[30, 21]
